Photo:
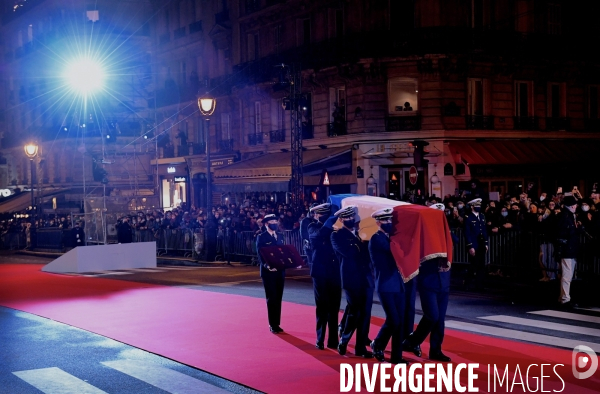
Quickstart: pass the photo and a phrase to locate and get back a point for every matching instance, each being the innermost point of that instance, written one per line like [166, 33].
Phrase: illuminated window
[403, 96]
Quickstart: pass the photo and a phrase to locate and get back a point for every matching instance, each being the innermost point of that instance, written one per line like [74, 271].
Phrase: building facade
[502, 91]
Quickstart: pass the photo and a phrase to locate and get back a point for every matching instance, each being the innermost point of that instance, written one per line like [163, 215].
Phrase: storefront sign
[221, 162]
[5, 192]
[171, 170]
[180, 179]
[398, 147]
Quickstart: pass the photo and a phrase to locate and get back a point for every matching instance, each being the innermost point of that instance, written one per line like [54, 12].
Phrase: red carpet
[227, 335]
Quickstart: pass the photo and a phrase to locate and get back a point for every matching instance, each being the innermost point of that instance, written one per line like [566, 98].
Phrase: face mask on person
[504, 213]
[273, 226]
[585, 208]
[323, 218]
[542, 198]
[477, 208]
[350, 223]
[387, 227]
[461, 206]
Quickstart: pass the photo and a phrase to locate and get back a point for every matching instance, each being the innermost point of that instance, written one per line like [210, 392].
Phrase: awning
[519, 152]
[271, 167]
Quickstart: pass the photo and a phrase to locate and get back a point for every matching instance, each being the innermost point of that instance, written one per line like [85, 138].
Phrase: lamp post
[31, 150]
[207, 105]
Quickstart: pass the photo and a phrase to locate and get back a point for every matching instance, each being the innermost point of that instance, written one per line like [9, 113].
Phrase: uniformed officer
[304, 223]
[410, 298]
[325, 273]
[272, 278]
[390, 288]
[477, 244]
[434, 289]
[357, 282]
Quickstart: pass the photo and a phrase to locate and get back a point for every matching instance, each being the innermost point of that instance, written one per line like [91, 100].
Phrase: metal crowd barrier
[14, 241]
[242, 244]
[51, 238]
[170, 242]
[520, 252]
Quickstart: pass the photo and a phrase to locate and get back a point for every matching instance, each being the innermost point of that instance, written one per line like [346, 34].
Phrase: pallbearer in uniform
[477, 244]
[434, 288]
[272, 278]
[390, 288]
[357, 282]
[325, 273]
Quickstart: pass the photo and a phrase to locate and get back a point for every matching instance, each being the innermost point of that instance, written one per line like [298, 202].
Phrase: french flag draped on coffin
[420, 233]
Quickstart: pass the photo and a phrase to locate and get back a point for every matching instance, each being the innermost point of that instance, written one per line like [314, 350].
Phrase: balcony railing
[526, 123]
[555, 124]
[480, 122]
[255, 139]
[403, 123]
[198, 148]
[225, 145]
[277, 136]
[336, 128]
[168, 152]
[592, 124]
[307, 132]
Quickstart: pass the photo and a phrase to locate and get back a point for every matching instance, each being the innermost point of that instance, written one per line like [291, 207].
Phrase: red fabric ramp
[228, 335]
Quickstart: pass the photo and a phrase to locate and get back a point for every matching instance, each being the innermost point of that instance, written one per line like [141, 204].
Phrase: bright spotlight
[84, 76]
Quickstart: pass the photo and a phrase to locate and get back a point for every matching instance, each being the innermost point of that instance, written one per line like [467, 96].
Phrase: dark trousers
[434, 302]
[358, 316]
[393, 304]
[410, 297]
[328, 296]
[476, 271]
[273, 283]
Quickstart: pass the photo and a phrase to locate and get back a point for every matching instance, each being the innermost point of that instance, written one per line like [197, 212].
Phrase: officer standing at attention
[272, 278]
[390, 288]
[434, 289]
[357, 282]
[325, 273]
[477, 243]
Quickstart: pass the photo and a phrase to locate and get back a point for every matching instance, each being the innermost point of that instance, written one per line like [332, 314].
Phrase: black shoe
[275, 329]
[377, 353]
[320, 346]
[401, 361]
[342, 348]
[409, 347]
[332, 345]
[439, 357]
[364, 353]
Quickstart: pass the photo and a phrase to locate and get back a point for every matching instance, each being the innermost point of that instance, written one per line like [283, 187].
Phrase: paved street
[40, 352]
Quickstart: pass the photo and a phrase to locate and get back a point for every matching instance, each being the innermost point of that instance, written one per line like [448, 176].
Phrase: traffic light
[419, 153]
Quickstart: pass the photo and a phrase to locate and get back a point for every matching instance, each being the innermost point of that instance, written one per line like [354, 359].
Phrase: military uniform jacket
[325, 264]
[354, 259]
[475, 231]
[387, 277]
[304, 225]
[266, 239]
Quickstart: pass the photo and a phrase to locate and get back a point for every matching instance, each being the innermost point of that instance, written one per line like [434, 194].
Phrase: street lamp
[31, 151]
[206, 105]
